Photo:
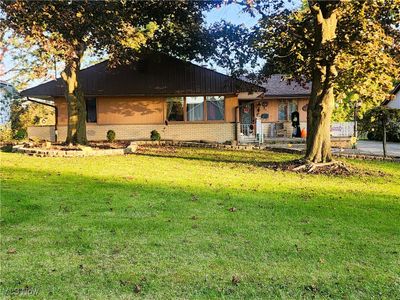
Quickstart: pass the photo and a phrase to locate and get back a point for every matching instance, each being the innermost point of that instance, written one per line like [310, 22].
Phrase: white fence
[342, 129]
[338, 129]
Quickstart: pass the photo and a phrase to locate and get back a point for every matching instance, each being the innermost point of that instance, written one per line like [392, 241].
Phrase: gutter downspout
[55, 113]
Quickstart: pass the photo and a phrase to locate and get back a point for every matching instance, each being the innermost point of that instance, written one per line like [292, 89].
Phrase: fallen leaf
[235, 280]
[11, 251]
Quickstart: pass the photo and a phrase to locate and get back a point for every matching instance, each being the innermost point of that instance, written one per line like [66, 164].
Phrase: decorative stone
[86, 149]
[46, 145]
[132, 148]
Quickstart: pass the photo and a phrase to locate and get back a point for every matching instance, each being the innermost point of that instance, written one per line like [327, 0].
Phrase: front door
[246, 116]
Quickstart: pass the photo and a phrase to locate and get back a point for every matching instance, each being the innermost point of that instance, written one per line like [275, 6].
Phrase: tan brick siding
[130, 110]
[215, 132]
[135, 110]
[41, 132]
[272, 110]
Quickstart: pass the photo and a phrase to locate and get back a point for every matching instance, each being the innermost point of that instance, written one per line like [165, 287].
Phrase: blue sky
[232, 13]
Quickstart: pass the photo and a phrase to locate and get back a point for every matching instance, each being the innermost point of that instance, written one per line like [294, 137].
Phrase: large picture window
[195, 108]
[215, 108]
[91, 110]
[175, 109]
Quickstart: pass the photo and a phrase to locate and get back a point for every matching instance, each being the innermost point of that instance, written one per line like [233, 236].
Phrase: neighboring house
[7, 93]
[274, 107]
[180, 100]
[394, 102]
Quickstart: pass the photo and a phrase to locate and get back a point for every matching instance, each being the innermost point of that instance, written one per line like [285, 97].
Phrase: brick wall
[215, 132]
[42, 133]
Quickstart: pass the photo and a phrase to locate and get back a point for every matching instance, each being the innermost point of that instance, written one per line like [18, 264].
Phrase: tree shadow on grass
[260, 159]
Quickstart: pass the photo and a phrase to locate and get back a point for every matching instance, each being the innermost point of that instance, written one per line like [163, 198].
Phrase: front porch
[259, 132]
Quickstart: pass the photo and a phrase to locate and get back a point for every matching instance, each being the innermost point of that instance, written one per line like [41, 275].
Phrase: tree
[324, 39]
[234, 48]
[373, 120]
[61, 30]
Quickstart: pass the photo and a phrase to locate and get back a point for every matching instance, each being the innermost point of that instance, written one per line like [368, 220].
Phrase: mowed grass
[161, 226]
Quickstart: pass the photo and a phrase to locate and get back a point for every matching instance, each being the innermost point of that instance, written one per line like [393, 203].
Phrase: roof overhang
[150, 75]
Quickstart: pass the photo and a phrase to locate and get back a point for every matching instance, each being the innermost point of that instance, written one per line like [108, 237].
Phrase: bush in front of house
[111, 136]
[155, 136]
[21, 134]
[372, 124]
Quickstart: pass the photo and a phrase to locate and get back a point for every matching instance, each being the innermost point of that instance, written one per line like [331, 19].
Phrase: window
[195, 108]
[215, 108]
[292, 107]
[175, 109]
[285, 109]
[91, 111]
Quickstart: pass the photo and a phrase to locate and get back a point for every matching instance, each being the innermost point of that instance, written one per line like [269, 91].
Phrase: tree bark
[76, 133]
[321, 102]
[319, 115]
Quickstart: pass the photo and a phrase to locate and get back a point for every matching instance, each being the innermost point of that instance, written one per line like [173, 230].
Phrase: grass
[106, 227]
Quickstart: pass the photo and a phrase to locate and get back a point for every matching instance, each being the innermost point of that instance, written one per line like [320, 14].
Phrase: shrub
[372, 124]
[155, 136]
[6, 133]
[21, 134]
[111, 136]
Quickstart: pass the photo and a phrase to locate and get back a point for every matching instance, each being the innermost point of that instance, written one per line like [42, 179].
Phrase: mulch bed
[155, 149]
[339, 169]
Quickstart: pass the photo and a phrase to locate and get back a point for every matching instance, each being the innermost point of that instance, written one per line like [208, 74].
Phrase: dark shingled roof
[152, 75]
[276, 85]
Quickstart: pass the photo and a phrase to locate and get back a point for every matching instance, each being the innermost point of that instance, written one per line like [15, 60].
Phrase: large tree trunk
[319, 115]
[321, 102]
[76, 133]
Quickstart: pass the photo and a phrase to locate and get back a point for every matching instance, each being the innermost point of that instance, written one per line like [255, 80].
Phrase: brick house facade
[180, 100]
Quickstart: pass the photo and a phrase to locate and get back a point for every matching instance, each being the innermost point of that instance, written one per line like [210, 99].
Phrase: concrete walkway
[363, 148]
[374, 148]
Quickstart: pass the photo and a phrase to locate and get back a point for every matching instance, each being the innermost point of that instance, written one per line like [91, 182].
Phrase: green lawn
[96, 228]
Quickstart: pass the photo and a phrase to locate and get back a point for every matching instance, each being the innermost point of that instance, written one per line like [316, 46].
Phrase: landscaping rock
[132, 148]
[46, 145]
[86, 149]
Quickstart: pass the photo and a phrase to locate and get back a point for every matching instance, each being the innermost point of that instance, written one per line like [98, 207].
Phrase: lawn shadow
[110, 233]
[276, 161]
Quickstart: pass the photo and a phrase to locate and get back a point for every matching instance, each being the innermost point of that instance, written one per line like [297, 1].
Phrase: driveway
[375, 148]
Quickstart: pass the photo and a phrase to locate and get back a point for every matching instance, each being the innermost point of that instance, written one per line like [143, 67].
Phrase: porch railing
[247, 129]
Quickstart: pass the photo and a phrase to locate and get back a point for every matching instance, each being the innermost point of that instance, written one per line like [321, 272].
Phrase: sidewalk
[371, 148]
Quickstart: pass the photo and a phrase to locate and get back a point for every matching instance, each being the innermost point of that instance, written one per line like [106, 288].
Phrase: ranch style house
[181, 100]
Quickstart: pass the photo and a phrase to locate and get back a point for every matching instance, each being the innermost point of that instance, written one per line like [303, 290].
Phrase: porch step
[248, 140]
